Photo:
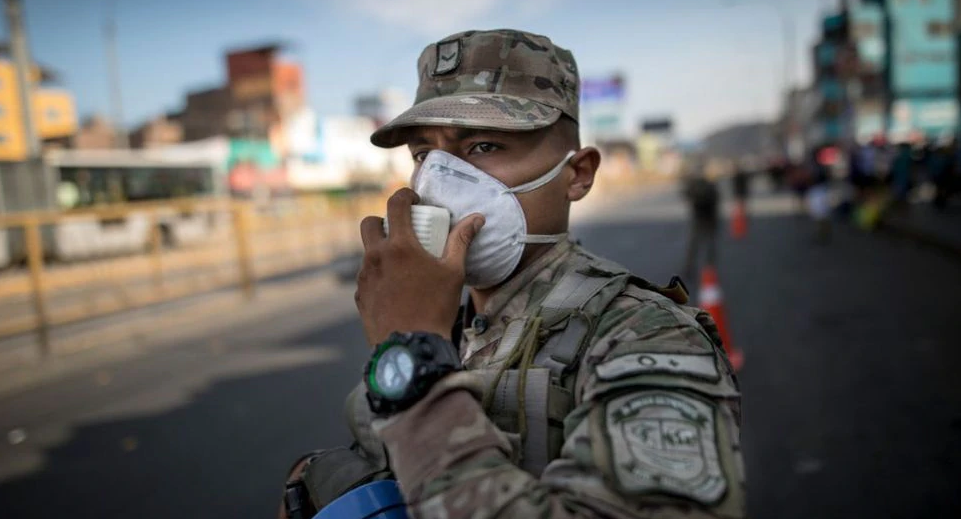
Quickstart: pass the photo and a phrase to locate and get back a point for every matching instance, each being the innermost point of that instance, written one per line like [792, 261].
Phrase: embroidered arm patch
[664, 442]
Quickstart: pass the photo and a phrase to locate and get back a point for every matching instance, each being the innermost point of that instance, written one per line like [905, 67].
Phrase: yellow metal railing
[252, 242]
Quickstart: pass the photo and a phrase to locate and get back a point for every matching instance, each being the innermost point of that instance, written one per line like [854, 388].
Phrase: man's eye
[420, 156]
[483, 147]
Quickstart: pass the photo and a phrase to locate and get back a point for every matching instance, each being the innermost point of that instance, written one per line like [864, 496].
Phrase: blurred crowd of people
[876, 176]
[862, 183]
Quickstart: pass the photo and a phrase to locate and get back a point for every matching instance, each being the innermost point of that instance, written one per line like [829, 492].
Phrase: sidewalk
[924, 224]
[87, 344]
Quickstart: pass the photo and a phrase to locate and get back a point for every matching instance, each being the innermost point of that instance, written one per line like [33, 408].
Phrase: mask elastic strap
[543, 238]
[545, 178]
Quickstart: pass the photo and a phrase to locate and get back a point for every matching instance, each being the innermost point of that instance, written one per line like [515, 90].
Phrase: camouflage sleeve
[654, 433]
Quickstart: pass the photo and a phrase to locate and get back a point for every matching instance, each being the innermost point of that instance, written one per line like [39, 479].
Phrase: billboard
[602, 89]
[602, 107]
[932, 117]
[253, 167]
[923, 48]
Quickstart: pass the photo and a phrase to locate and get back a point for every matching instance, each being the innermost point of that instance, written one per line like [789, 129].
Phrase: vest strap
[571, 293]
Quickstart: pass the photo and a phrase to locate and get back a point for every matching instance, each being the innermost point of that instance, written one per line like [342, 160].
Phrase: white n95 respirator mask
[447, 181]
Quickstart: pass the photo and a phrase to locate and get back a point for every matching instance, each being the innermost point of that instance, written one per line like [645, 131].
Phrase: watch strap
[434, 357]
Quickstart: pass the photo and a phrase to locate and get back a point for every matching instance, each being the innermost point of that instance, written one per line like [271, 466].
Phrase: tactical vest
[530, 387]
[529, 396]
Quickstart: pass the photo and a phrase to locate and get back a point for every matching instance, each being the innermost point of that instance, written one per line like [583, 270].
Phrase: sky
[706, 63]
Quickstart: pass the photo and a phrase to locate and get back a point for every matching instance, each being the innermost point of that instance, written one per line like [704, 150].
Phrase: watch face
[394, 371]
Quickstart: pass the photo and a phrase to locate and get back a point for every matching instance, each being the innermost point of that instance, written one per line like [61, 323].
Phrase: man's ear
[584, 163]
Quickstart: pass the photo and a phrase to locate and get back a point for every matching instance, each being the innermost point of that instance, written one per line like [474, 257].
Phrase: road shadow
[223, 454]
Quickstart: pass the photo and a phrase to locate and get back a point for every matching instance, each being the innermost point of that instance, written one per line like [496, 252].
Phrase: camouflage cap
[495, 80]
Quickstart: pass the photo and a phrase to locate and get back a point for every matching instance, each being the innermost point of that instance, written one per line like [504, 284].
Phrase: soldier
[567, 386]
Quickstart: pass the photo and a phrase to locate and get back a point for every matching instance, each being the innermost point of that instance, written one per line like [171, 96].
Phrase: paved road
[852, 406]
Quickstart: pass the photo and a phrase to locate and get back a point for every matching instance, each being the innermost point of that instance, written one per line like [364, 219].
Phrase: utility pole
[116, 103]
[789, 49]
[23, 65]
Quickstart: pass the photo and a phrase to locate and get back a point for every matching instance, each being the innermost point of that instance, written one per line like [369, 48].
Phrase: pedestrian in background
[799, 179]
[701, 194]
[943, 171]
[819, 195]
[777, 171]
[741, 181]
[741, 186]
[901, 172]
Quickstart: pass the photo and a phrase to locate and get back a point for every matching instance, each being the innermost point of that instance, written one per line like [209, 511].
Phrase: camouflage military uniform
[642, 420]
[654, 430]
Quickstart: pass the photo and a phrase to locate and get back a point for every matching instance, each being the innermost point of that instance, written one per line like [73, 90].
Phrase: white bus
[90, 178]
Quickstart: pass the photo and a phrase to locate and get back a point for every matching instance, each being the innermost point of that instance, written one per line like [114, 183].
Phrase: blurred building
[886, 68]
[382, 106]
[265, 90]
[655, 148]
[739, 140]
[263, 97]
[868, 32]
[262, 91]
[161, 131]
[835, 70]
[796, 130]
[53, 110]
[95, 133]
[205, 113]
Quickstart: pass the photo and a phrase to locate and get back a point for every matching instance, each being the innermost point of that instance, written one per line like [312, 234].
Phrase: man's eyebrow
[466, 133]
[460, 134]
[417, 140]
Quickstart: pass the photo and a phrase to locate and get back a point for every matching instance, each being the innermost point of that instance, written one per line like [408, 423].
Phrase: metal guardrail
[245, 242]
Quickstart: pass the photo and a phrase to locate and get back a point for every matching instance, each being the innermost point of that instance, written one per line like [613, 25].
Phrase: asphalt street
[852, 400]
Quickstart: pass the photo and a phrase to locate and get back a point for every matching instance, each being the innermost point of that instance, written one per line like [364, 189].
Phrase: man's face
[514, 158]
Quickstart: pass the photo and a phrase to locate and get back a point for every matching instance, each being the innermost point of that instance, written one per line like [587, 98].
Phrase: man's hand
[401, 286]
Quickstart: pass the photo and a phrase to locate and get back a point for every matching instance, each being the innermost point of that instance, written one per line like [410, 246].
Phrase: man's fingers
[461, 237]
[399, 219]
[372, 231]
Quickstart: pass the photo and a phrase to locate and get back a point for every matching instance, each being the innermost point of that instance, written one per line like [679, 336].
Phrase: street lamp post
[110, 37]
[23, 65]
[787, 36]
[788, 44]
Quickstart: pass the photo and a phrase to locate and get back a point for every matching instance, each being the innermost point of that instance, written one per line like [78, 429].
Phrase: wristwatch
[404, 368]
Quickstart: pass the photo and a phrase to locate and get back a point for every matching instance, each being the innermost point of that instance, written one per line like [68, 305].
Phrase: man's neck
[531, 253]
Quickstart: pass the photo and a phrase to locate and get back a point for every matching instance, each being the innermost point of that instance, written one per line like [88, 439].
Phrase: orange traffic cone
[739, 221]
[711, 299]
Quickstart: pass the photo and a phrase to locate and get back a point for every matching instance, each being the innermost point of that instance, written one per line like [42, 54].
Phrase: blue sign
[611, 89]
[923, 48]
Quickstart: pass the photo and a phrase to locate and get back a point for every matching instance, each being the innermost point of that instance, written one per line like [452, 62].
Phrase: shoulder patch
[448, 57]
[665, 442]
[700, 366]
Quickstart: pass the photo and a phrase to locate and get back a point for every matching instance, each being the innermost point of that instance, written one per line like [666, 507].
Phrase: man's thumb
[461, 237]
